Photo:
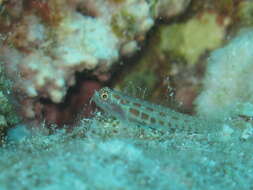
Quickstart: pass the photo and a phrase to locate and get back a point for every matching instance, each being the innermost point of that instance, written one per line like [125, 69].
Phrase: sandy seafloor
[104, 154]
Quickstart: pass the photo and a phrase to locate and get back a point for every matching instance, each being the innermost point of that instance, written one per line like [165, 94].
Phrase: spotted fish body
[142, 113]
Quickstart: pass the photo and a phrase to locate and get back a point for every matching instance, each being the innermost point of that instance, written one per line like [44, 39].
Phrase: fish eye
[104, 95]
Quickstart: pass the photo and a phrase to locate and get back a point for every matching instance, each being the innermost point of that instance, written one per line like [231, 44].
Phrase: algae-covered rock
[245, 13]
[191, 39]
[8, 115]
[145, 75]
[166, 9]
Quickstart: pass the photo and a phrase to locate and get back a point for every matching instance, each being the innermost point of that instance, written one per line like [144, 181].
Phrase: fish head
[106, 99]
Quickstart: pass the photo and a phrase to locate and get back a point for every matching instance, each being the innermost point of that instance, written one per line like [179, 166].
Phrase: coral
[226, 8]
[228, 80]
[165, 9]
[53, 40]
[46, 49]
[127, 21]
[161, 68]
[191, 39]
[102, 152]
[49, 66]
[76, 106]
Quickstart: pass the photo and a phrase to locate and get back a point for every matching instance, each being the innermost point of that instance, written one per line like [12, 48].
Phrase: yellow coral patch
[191, 39]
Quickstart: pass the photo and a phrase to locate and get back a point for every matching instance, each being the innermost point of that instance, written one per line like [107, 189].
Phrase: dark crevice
[69, 109]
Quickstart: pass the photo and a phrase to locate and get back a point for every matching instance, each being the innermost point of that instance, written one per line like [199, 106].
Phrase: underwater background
[178, 113]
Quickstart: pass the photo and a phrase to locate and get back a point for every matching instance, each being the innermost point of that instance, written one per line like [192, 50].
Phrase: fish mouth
[93, 99]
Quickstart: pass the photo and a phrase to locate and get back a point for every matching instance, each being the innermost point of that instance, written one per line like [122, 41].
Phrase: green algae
[8, 116]
[245, 13]
[123, 24]
[153, 4]
[117, 1]
[224, 7]
[192, 39]
[142, 75]
[148, 72]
